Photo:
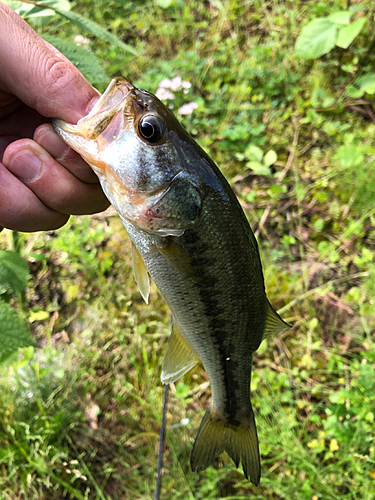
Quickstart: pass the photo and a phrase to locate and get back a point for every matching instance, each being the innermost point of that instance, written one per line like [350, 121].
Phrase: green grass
[80, 416]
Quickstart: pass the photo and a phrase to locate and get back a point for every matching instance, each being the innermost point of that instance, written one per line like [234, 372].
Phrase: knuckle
[60, 80]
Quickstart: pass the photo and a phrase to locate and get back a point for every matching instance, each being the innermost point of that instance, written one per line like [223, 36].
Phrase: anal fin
[274, 323]
[179, 358]
[141, 274]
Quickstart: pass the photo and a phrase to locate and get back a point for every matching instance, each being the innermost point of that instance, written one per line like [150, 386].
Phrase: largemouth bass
[188, 232]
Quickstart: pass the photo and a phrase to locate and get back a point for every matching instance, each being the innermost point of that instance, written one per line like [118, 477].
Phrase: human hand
[42, 180]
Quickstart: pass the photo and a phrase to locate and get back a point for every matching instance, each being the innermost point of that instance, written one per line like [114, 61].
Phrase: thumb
[38, 74]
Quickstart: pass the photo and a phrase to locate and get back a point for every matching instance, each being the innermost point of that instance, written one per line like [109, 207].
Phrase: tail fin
[240, 443]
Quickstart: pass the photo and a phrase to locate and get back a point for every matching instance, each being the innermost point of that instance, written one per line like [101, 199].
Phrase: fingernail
[25, 165]
[53, 143]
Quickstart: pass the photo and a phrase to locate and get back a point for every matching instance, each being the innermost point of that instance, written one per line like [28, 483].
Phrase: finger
[20, 124]
[41, 77]
[21, 209]
[46, 137]
[52, 183]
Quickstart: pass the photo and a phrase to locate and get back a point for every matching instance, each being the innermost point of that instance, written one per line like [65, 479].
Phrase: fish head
[142, 156]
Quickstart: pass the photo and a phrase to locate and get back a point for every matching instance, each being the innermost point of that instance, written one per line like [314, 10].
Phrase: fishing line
[161, 442]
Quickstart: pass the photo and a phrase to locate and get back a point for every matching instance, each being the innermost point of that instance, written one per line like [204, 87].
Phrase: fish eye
[151, 128]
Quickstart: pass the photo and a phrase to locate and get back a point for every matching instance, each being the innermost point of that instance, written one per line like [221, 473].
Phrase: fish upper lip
[99, 104]
[91, 126]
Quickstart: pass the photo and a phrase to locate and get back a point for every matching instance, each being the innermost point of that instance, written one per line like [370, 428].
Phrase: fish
[191, 236]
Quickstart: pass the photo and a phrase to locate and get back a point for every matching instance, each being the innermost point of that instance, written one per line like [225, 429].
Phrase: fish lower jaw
[69, 128]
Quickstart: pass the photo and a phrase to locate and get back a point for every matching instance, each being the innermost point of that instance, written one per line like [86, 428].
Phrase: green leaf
[9, 358]
[14, 332]
[258, 168]
[254, 153]
[357, 8]
[354, 92]
[38, 316]
[182, 390]
[367, 83]
[96, 30]
[40, 257]
[62, 7]
[269, 158]
[36, 11]
[55, 4]
[27, 11]
[316, 39]
[348, 33]
[88, 64]
[328, 101]
[15, 5]
[14, 272]
[349, 156]
[340, 17]
[164, 4]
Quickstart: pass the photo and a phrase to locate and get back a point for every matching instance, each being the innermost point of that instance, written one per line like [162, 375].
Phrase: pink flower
[188, 108]
[166, 83]
[176, 83]
[164, 94]
[81, 40]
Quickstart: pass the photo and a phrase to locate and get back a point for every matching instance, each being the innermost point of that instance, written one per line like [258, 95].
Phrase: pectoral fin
[141, 274]
[184, 262]
[179, 358]
[274, 323]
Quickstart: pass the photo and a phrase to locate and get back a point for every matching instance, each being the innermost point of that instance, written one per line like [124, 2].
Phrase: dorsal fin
[274, 323]
[141, 273]
[179, 358]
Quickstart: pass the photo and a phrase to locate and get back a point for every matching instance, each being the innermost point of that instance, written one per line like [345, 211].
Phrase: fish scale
[191, 235]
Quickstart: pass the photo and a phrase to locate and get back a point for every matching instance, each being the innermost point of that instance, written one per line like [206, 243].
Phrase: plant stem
[161, 443]
[16, 244]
